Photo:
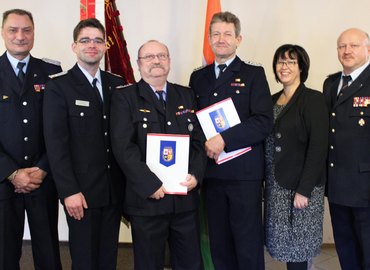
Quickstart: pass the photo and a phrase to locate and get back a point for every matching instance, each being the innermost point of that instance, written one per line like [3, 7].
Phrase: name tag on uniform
[82, 103]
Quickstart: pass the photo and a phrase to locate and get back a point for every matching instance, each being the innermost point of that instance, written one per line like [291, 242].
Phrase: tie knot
[159, 92]
[20, 65]
[222, 67]
[346, 79]
[94, 82]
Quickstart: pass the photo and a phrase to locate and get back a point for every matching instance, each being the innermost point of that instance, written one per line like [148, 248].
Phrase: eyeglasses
[151, 57]
[98, 41]
[288, 63]
[342, 47]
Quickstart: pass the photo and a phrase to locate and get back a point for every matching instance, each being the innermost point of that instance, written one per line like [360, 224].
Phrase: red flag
[117, 59]
[213, 6]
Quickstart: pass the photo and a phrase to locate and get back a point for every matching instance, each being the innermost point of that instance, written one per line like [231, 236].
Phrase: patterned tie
[21, 74]
[345, 81]
[161, 99]
[97, 90]
[222, 68]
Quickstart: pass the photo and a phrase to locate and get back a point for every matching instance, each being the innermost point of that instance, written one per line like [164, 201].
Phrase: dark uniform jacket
[301, 141]
[76, 127]
[21, 137]
[247, 86]
[136, 112]
[349, 141]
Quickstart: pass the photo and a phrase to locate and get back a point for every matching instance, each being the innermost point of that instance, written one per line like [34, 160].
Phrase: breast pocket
[360, 120]
[5, 105]
[146, 122]
[83, 121]
[240, 96]
[187, 123]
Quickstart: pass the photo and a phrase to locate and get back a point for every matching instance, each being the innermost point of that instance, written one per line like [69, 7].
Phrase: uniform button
[24, 103]
[104, 117]
[108, 150]
[237, 91]
[145, 119]
[82, 114]
[145, 125]
[333, 130]
[105, 133]
[215, 94]
[189, 120]
[362, 113]
[108, 167]
[25, 139]
[331, 147]
[25, 121]
[169, 123]
[333, 113]
[278, 135]
[332, 165]
[278, 149]
[25, 157]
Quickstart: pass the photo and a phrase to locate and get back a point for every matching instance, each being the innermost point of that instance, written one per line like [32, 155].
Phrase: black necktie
[97, 90]
[21, 74]
[345, 81]
[221, 67]
[161, 99]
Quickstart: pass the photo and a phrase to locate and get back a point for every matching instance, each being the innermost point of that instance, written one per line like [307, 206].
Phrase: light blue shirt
[217, 70]
[354, 75]
[91, 78]
[164, 91]
[14, 62]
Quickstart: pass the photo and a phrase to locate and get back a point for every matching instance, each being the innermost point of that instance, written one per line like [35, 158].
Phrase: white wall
[266, 24]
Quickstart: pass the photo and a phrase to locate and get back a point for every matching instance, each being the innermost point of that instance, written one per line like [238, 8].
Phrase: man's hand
[75, 205]
[190, 182]
[300, 201]
[28, 179]
[159, 194]
[214, 146]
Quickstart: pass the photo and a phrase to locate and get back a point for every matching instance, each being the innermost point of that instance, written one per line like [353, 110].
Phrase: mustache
[158, 65]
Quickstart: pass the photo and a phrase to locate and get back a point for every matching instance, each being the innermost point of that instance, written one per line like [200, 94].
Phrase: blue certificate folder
[217, 118]
[167, 156]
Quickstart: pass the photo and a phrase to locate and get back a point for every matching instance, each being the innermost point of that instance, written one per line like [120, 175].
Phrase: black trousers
[42, 214]
[93, 240]
[234, 211]
[150, 234]
[351, 229]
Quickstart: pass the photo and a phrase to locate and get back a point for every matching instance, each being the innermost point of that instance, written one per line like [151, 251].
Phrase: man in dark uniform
[25, 179]
[76, 127]
[233, 189]
[154, 105]
[348, 97]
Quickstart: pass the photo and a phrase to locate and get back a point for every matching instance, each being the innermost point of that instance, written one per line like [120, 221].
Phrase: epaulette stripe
[51, 61]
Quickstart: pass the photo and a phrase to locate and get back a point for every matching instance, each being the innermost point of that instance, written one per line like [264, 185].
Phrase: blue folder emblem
[219, 120]
[168, 153]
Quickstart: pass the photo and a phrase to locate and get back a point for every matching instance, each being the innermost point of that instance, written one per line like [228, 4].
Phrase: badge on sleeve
[168, 153]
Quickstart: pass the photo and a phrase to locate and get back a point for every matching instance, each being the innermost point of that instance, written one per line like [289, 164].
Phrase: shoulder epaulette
[253, 63]
[123, 86]
[334, 74]
[51, 61]
[183, 86]
[114, 74]
[199, 68]
[53, 76]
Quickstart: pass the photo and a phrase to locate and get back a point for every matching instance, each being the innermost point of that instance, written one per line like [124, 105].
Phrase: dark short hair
[294, 52]
[91, 22]
[226, 17]
[18, 12]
